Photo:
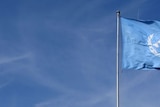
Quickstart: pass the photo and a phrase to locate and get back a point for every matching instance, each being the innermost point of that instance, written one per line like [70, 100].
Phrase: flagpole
[117, 60]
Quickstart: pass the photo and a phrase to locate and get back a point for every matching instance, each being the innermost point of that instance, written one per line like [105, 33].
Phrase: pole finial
[118, 11]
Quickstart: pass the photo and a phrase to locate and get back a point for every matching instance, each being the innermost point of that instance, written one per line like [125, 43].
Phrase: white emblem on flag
[154, 44]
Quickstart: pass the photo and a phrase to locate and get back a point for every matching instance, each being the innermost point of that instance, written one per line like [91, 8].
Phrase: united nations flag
[140, 44]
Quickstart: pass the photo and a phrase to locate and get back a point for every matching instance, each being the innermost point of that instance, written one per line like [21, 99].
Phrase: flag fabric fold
[140, 44]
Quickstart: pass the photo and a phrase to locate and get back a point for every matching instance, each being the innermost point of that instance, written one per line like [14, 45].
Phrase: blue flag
[140, 44]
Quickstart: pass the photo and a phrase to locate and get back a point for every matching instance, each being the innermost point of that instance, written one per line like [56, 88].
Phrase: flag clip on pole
[117, 60]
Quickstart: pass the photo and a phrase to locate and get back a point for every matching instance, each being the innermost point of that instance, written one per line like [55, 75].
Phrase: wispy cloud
[4, 84]
[79, 100]
[11, 65]
[6, 59]
[134, 81]
[137, 89]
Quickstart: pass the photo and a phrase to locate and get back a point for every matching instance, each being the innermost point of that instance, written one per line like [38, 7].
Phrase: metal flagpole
[117, 60]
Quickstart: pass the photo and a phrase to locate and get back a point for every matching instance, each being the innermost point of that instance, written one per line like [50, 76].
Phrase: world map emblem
[153, 42]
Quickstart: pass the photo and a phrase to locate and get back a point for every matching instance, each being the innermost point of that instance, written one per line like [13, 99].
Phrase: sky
[62, 53]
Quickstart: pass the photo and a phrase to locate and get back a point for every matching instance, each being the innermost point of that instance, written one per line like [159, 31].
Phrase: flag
[140, 44]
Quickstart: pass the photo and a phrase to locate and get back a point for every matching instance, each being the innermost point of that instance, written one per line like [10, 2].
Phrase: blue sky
[61, 53]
